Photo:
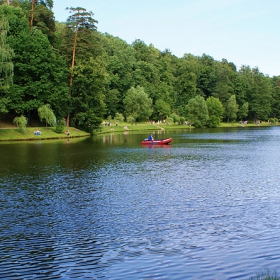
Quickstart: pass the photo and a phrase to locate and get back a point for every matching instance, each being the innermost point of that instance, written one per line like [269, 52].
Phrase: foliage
[88, 75]
[243, 110]
[182, 120]
[231, 108]
[46, 113]
[138, 104]
[6, 55]
[3, 105]
[197, 112]
[215, 111]
[60, 126]
[39, 15]
[175, 118]
[161, 109]
[88, 121]
[6, 65]
[130, 120]
[119, 117]
[21, 123]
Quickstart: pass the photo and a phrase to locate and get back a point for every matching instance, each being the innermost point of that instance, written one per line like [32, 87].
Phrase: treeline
[85, 76]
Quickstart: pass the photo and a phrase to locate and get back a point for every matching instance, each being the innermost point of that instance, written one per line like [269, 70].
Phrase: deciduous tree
[197, 111]
[138, 104]
[6, 65]
[215, 111]
[231, 109]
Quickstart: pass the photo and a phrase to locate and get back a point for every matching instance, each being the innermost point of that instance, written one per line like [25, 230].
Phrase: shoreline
[11, 134]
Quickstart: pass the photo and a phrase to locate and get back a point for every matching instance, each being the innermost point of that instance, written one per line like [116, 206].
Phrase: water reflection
[108, 208]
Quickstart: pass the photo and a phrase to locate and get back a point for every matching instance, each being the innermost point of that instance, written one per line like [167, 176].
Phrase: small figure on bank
[151, 138]
[67, 133]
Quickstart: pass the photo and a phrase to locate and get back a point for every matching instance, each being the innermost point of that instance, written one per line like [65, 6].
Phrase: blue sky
[245, 32]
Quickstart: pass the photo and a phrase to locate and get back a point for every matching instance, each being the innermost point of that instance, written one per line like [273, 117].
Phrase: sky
[245, 32]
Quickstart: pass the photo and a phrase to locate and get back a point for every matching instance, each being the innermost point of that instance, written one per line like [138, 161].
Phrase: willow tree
[46, 113]
[6, 63]
[79, 20]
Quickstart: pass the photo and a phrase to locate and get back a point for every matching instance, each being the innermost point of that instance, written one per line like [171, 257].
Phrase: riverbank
[13, 134]
[46, 133]
[120, 127]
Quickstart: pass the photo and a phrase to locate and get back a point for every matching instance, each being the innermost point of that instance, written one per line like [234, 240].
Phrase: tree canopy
[86, 76]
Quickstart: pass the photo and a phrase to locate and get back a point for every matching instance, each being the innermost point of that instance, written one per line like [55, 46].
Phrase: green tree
[175, 118]
[231, 109]
[120, 64]
[186, 79]
[243, 110]
[161, 109]
[226, 75]
[138, 104]
[276, 97]
[40, 15]
[215, 111]
[88, 94]
[119, 117]
[197, 111]
[80, 24]
[6, 55]
[207, 76]
[46, 113]
[6, 65]
[38, 79]
[21, 123]
[260, 96]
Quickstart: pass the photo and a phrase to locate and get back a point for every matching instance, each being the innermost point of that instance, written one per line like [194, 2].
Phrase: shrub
[182, 120]
[175, 118]
[119, 117]
[60, 126]
[130, 119]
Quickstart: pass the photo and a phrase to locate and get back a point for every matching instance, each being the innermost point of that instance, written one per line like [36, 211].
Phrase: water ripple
[207, 208]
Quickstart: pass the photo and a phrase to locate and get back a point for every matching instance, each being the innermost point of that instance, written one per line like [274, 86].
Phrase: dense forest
[82, 76]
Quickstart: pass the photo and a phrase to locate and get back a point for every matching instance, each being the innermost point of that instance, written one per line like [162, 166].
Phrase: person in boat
[151, 138]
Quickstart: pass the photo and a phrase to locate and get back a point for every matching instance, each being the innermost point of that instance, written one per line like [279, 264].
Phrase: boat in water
[165, 141]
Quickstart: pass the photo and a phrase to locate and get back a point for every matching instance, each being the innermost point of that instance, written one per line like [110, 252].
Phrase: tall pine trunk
[32, 14]
[72, 69]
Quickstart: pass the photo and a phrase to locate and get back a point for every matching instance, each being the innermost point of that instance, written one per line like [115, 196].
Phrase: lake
[205, 207]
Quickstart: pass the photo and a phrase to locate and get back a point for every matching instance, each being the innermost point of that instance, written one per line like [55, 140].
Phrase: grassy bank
[13, 134]
[148, 126]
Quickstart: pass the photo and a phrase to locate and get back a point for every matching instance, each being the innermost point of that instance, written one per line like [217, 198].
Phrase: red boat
[157, 142]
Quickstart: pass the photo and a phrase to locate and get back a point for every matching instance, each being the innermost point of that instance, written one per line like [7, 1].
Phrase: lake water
[206, 207]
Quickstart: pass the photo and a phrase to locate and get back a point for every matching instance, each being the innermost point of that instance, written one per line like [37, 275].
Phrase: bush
[273, 120]
[175, 118]
[60, 126]
[130, 120]
[182, 120]
[169, 120]
[119, 117]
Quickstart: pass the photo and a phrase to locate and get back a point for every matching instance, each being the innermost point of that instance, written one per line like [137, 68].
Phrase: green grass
[147, 126]
[141, 126]
[14, 134]
[266, 275]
